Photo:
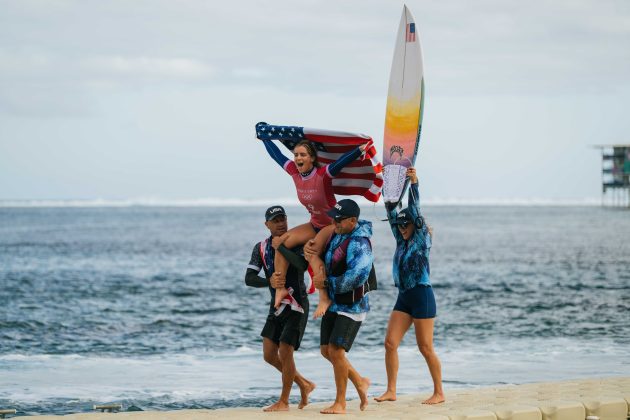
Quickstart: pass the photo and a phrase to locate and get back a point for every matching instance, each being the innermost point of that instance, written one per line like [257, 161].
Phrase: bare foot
[323, 305]
[336, 408]
[279, 406]
[362, 391]
[434, 399]
[305, 392]
[280, 294]
[387, 396]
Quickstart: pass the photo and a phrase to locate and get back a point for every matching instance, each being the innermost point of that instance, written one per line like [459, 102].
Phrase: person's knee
[285, 352]
[324, 351]
[270, 355]
[391, 345]
[294, 238]
[269, 358]
[336, 354]
[320, 241]
[426, 350]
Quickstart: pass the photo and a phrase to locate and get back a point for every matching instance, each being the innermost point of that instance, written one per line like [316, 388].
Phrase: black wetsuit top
[295, 272]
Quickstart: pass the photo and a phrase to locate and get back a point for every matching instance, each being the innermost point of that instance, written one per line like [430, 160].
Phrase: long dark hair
[311, 150]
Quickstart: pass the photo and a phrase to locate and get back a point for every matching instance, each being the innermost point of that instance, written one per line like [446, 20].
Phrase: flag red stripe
[355, 141]
[351, 191]
[355, 164]
[357, 176]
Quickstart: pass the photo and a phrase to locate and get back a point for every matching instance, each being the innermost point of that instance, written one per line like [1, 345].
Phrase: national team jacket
[359, 260]
[411, 258]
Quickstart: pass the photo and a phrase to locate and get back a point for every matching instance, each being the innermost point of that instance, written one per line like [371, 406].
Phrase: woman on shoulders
[313, 183]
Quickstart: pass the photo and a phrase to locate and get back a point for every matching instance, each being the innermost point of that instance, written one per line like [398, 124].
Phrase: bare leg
[337, 356]
[424, 338]
[324, 303]
[288, 375]
[316, 263]
[362, 384]
[399, 323]
[299, 235]
[272, 356]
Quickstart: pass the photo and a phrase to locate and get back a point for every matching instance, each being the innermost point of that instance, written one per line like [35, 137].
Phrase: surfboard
[403, 115]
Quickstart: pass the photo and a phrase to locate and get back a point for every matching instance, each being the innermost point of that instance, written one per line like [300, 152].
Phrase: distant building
[615, 174]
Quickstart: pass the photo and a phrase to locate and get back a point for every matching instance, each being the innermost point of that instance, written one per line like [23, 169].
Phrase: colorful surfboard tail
[405, 106]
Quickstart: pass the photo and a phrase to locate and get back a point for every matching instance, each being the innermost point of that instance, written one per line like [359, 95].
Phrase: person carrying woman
[313, 183]
[416, 302]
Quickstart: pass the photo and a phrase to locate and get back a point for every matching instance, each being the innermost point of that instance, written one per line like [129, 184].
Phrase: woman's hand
[363, 149]
[411, 174]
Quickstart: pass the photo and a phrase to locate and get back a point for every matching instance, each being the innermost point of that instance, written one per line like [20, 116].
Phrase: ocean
[147, 306]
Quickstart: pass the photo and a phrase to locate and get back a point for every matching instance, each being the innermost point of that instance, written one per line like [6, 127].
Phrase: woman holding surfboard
[416, 302]
[314, 187]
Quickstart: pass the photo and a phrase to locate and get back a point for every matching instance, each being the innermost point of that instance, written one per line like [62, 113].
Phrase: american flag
[362, 177]
[411, 32]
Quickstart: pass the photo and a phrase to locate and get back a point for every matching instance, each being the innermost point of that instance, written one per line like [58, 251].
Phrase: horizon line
[240, 202]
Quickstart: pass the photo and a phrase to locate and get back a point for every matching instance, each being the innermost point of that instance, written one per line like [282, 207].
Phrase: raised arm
[359, 263]
[345, 159]
[421, 234]
[264, 133]
[391, 218]
[275, 153]
[413, 199]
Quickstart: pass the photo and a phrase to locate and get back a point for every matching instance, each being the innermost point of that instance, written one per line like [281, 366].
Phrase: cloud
[146, 67]
[41, 84]
[27, 65]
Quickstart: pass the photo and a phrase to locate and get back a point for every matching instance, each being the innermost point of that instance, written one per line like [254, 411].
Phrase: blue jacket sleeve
[422, 235]
[391, 217]
[275, 153]
[348, 157]
[414, 201]
[359, 261]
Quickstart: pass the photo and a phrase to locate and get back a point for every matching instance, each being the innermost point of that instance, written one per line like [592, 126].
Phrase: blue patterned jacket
[411, 259]
[359, 260]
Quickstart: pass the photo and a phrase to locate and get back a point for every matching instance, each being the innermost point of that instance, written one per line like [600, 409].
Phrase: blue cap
[344, 208]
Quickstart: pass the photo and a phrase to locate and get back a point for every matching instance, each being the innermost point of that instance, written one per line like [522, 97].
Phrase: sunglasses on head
[403, 224]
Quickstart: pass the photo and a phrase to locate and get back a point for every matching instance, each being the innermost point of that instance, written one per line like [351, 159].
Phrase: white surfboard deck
[405, 104]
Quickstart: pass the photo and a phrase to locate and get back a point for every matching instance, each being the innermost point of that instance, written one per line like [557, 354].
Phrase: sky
[157, 100]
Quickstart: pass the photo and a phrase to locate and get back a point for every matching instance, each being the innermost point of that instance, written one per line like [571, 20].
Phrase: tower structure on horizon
[615, 175]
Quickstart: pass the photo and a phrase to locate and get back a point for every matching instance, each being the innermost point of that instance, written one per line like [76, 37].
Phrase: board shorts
[338, 330]
[288, 327]
[419, 302]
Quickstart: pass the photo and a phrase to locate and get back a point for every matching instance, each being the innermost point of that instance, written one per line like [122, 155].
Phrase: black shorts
[288, 327]
[419, 302]
[338, 330]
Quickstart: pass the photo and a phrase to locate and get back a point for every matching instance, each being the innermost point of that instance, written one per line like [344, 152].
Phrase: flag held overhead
[362, 177]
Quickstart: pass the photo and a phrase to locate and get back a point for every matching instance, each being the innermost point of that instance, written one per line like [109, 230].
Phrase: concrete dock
[596, 399]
